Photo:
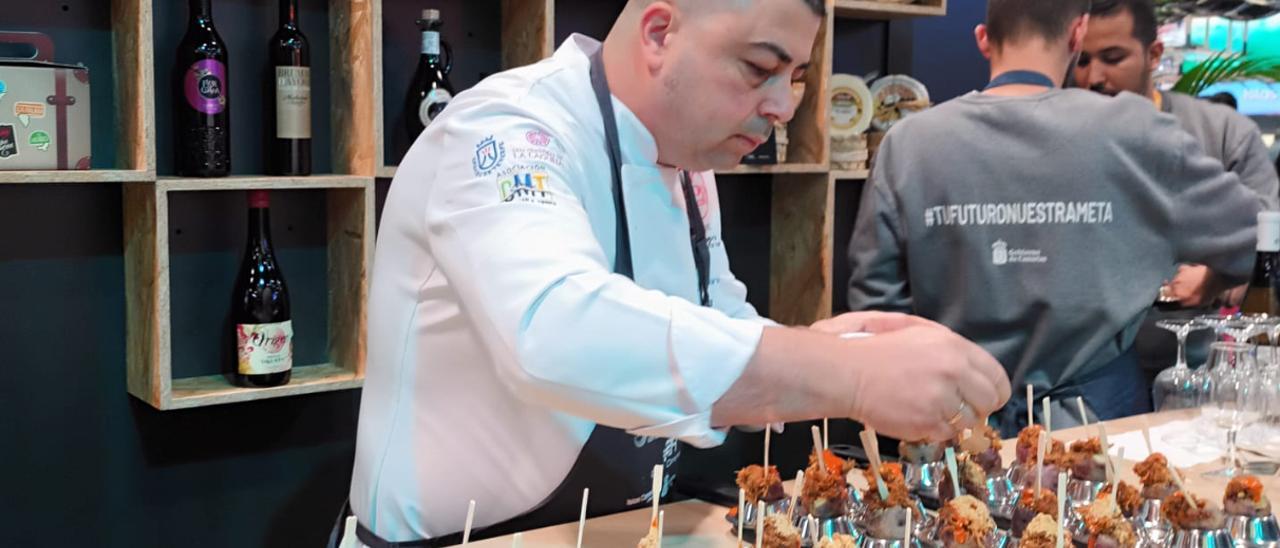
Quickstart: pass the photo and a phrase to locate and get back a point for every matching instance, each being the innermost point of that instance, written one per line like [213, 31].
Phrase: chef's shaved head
[818, 6]
[710, 79]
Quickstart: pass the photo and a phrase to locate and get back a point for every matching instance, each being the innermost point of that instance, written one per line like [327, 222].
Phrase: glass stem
[1182, 350]
[1233, 465]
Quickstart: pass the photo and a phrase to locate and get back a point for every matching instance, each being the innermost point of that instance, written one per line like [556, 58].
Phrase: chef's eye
[758, 73]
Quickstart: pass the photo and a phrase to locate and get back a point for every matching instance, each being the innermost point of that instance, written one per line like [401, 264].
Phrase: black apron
[617, 466]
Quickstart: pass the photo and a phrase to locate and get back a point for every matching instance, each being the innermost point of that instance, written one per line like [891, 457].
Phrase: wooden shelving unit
[855, 175]
[802, 210]
[350, 236]
[870, 9]
[83, 176]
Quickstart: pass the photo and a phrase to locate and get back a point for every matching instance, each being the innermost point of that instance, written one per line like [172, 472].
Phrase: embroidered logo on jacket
[489, 155]
[530, 188]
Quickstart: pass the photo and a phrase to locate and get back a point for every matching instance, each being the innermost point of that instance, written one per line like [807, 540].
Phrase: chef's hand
[910, 383]
[869, 322]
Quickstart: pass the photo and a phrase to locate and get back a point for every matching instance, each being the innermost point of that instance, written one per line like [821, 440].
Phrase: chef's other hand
[910, 383]
[869, 322]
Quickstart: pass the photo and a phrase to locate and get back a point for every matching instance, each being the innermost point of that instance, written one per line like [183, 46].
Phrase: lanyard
[697, 231]
[1021, 77]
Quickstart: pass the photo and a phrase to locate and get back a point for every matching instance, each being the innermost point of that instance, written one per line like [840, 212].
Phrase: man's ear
[1079, 29]
[1155, 52]
[656, 25]
[984, 42]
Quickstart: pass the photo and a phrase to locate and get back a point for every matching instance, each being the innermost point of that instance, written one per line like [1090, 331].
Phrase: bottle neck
[289, 13]
[431, 44]
[259, 218]
[201, 10]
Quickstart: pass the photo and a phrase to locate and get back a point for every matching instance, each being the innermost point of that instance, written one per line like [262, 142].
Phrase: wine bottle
[289, 149]
[260, 310]
[1261, 297]
[431, 90]
[202, 114]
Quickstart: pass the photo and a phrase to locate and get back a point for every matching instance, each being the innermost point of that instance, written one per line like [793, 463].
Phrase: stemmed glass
[1173, 387]
[1236, 396]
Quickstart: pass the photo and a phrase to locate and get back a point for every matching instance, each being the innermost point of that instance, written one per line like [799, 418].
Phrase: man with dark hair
[1121, 51]
[1039, 222]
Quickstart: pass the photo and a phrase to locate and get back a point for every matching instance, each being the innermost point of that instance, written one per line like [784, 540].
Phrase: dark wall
[83, 463]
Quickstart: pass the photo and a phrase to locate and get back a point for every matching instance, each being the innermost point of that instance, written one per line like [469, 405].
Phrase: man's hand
[924, 382]
[870, 322]
[1193, 286]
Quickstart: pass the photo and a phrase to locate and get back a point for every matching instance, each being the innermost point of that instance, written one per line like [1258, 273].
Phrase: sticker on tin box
[25, 111]
[40, 140]
[3, 89]
[8, 142]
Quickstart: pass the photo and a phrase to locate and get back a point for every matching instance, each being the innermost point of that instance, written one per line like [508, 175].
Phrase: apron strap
[622, 233]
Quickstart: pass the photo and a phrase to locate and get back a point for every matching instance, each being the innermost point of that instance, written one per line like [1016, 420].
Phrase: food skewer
[582, 515]
[517, 540]
[1084, 414]
[1062, 505]
[817, 447]
[871, 445]
[767, 430]
[954, 470]
[657, 489]
[1045, 410]
[826, 439]
[795, 494]
[1177, 480]
[906, 535]
[760, 524]
[471, 516]
[742, 503]
[1031, 416]
[1043, 442]
[661, 515]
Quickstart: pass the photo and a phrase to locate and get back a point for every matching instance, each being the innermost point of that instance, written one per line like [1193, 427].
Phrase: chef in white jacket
[551, 304]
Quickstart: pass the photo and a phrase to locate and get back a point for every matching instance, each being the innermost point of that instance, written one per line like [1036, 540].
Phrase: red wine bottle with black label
[289, 145]
[260, 310]
[202, 108]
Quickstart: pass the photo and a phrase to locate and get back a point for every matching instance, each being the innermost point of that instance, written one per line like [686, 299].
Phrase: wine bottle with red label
[202, 107]
[431, 90]
[260, 310]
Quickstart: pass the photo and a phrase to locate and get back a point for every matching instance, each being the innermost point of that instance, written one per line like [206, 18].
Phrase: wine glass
[1173, 387]
[1235, 396]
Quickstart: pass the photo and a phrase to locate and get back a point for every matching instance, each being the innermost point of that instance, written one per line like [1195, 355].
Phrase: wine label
[1268, 231]
[265, 347]
[430, 42]
[205, 86]
[293, 102]
[432, 104]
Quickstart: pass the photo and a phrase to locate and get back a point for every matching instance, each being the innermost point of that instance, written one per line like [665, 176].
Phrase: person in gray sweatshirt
[1121, 52]
[1039, 222]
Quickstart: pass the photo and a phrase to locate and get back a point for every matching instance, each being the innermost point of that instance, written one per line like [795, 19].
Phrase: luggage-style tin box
[44, 108]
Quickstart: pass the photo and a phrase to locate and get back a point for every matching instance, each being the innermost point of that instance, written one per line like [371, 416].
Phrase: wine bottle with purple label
[202, 108]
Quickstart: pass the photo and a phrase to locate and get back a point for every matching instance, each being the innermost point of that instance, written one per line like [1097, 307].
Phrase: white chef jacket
[499, 335]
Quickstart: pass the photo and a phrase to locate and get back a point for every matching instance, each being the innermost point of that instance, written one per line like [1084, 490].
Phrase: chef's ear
[656, 25]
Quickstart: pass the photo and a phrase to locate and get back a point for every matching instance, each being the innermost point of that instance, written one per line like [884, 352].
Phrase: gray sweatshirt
[1041, 227]
[1230, 137]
